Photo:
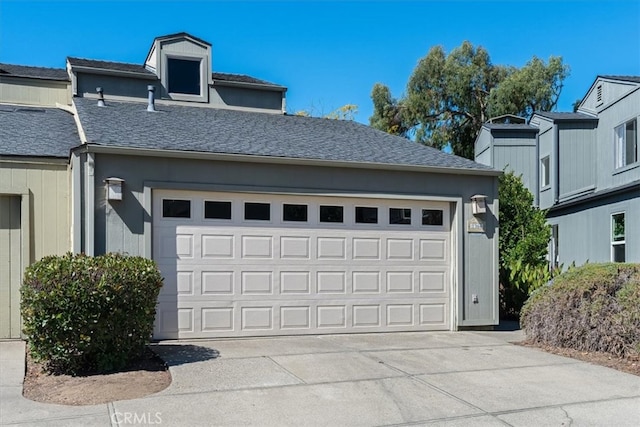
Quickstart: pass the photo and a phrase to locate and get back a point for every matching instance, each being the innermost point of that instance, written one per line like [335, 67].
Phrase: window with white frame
[617, 238]
[626, 143]
[544, 171]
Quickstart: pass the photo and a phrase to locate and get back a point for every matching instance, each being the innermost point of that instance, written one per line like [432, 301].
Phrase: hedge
[595, 307]
[89, 314]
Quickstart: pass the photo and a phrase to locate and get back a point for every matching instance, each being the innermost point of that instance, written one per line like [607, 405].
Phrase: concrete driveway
[449, 378]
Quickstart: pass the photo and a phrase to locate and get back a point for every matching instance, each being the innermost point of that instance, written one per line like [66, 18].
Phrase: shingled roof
[38, 132]
[240, 78]
[210, 130]
[634, 79]
[42, 73]
[510, 126]
[111, 66]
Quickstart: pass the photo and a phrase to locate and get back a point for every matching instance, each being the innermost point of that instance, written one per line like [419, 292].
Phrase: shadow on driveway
[176, 354]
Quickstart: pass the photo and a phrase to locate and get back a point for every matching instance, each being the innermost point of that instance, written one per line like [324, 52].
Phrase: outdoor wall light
[478, 204]
[114, 188]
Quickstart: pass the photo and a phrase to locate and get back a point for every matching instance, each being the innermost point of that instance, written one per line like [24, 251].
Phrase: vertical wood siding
[48, 186]
[577, 157]
[10, 266]
[34, 92]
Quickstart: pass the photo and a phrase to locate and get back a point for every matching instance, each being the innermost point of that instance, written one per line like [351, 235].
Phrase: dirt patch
[630, 365]
[143, 377]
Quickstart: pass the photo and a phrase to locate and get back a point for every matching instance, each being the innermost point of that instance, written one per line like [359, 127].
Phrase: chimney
[100, 97]
[152, 99]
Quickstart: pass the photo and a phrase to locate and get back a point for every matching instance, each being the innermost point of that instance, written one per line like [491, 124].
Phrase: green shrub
[86, 314]
[595, 307]
[524, 236]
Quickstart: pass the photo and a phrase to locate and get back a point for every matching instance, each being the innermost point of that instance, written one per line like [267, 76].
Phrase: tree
[346, 112]
[386, 112]
[450, 97]
[523, 244]
[534, 87]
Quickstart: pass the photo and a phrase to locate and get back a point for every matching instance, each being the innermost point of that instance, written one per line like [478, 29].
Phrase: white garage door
[244, 264]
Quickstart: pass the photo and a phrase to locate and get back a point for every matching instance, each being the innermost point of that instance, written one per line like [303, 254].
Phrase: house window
[183, 76]
[366, 215]
[399, 216]
[544, 172]
[172, 208]
[217, 210]
[257, 211]
[626, 143]
[432, 217]
[331, 213]
[617, 238]
[294, 213]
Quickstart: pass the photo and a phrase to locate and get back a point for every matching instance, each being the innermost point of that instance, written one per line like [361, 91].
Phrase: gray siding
[245, 98]
[577, 146]
[113, 86]
[483, 143]
[219, 96]
[120, 226]
[183, 47]
[517, 155]
[484, 157]
[546, 141]
[622, 111]
[611, 91]
[585, 231]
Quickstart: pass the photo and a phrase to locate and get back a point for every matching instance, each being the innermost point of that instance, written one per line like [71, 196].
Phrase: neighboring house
[263, 223]
[582, 167]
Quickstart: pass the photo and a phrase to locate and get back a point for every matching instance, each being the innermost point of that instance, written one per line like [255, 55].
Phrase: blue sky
[331, 53]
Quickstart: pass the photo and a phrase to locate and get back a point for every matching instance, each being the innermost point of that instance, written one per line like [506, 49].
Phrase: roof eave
[595, 196]
[96, 148]
[17, 76]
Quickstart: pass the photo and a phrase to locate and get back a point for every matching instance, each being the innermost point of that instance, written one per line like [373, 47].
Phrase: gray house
[582, 167]
[264, 223]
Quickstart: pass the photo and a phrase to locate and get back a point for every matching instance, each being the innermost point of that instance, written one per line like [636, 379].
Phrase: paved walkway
[450, 378]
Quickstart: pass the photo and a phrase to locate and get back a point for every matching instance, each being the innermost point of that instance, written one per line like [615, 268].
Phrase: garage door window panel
[217, 210]
[294, 213]
[333, 214]
[257, 211]
[176, 208]
[432, 217]
[400, 216]
[366, 215]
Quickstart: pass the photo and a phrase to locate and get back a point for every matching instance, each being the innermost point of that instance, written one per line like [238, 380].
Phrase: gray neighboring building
[583, 168]
[267, 224]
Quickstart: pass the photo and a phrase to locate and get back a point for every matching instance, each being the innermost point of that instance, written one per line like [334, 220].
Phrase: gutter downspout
[556, 163]
[76, 204]
[89, 210]
[537, 169]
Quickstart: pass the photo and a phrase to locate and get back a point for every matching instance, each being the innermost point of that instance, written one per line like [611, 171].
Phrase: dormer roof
[180, 35]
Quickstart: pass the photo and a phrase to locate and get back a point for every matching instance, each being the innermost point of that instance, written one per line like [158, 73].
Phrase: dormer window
[184, 76]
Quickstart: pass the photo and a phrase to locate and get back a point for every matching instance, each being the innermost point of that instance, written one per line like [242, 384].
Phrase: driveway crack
[285, 370]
